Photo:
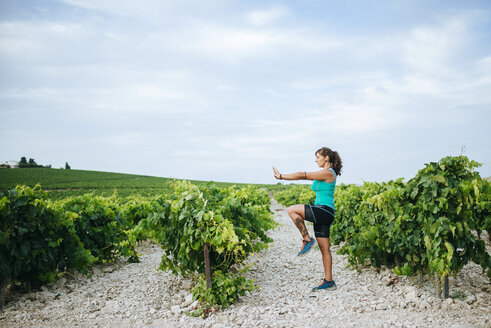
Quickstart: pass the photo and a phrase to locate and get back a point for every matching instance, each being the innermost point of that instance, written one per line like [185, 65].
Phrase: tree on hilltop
[31, 163]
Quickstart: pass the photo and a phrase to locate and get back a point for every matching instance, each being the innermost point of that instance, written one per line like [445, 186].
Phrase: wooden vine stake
[445, 288]
[207, 266]
[442, 288]
[3, 285]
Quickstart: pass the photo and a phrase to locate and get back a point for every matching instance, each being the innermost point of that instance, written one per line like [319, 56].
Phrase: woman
[322, 212]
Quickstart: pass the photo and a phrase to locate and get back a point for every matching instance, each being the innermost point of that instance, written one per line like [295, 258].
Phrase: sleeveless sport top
[324, 191]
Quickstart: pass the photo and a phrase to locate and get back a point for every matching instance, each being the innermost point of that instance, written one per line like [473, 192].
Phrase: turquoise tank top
[324, 191]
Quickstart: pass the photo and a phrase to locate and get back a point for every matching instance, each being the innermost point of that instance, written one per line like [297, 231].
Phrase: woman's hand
[277, 174]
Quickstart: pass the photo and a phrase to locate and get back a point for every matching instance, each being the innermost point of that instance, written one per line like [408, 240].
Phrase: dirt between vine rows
[138, 295]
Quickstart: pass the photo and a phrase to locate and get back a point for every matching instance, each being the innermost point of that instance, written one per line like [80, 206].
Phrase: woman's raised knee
[290, 210]
[294, 209]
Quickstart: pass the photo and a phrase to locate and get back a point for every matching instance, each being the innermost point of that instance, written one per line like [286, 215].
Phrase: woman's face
[321, 160]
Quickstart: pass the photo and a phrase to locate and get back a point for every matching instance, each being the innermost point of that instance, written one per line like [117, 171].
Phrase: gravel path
[137, 294]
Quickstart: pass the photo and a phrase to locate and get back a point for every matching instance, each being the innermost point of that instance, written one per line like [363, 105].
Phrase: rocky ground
[137, 294]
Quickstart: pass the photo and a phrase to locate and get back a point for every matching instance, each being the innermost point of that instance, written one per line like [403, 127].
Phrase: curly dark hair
[334, 158]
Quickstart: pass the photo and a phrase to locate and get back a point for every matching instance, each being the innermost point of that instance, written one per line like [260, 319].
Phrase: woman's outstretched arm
[325, 175]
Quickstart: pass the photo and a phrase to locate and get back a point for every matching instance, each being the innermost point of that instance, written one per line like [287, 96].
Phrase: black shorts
[322, 216]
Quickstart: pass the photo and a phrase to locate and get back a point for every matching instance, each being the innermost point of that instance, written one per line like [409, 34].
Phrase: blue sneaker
[307, 246]
[331, 285]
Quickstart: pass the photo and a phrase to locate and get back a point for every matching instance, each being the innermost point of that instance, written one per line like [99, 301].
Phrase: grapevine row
[40, 238]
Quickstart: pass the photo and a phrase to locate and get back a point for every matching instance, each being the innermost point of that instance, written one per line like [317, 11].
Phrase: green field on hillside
[65, 183]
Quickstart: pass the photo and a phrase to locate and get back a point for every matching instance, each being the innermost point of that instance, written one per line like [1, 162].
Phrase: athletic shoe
[331, 285]
[307, 247]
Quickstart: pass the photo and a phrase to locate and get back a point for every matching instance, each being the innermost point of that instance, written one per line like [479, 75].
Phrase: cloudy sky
[223, 90]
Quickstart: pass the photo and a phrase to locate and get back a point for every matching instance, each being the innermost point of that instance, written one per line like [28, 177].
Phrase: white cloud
[194, 154]
[225, 42]
[432, 49]
[224, 87]
[128, 140]
[345, 79]
[236, 43]
[263, 17]
[45, 42]
[148, 9]
[209, 39]
[144, 98]
[296, 136]
[274, 93]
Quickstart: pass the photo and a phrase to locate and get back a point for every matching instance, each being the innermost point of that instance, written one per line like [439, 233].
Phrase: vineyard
[123, 294]
[60, 184]
[435, 223]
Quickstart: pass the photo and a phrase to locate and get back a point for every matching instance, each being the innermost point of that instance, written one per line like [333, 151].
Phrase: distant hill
[62, 183]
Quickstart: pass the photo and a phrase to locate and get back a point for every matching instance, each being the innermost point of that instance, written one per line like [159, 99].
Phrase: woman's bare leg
[326, 257]
[297, 214]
